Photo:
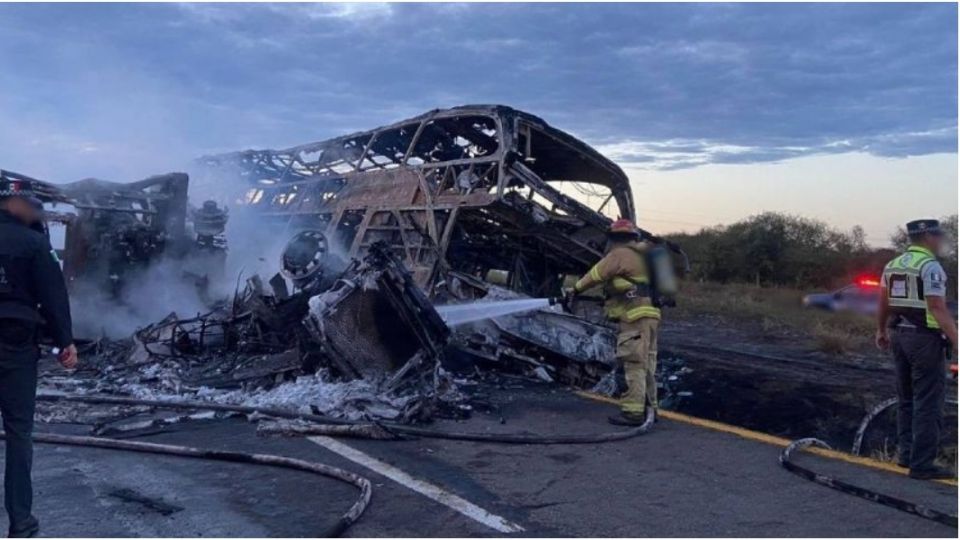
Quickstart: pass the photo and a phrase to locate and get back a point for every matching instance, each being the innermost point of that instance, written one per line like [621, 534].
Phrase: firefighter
[33, 297]
[913, 306]
[625, 278]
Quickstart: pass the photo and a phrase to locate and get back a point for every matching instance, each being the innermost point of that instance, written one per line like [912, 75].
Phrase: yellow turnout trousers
[637, 350]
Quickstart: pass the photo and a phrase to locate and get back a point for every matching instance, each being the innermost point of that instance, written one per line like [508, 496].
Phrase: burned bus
[473, 190]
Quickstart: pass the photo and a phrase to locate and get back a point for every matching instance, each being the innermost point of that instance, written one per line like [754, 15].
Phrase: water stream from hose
[457, 314]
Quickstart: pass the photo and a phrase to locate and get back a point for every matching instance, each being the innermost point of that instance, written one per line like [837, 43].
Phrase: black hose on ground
[347, 519]
[873, 413]
[857, 491]
[397, 429]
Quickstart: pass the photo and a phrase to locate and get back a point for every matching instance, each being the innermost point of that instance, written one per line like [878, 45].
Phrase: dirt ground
[776, 317]
[764, 372]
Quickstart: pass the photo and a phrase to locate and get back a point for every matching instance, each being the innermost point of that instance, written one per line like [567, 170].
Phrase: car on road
[861, 296]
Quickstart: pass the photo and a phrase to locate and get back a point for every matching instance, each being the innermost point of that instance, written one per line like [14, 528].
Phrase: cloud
[683, 153]
[351, 11]
[231, 13]
[665, 85]
[706, 51]
[211, 12]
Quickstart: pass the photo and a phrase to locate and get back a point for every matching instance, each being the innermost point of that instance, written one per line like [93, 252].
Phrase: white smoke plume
[169, 285]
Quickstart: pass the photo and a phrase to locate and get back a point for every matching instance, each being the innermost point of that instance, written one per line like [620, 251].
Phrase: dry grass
[842, 333]
[946, 457]
[886, 453]
[777, 311]
[771, 307]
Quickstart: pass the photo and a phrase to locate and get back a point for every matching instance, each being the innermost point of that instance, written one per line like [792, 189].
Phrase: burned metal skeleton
[477, 202]
[471, 189]
[465, 198]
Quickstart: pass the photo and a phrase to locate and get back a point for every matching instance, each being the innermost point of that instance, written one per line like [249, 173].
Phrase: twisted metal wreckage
[428, 211]
[116, 230]
[456, 205]
[477, 202]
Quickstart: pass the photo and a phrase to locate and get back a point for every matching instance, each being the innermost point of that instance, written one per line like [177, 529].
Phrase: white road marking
[426, 489]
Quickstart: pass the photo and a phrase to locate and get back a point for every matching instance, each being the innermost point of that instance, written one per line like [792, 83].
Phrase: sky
[841, 112]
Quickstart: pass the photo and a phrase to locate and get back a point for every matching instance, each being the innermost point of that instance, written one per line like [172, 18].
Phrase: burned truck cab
[114, 233]
[120, 229]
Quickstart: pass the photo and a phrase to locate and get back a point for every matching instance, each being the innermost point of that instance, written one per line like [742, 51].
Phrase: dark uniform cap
[924, 226]
[14, 185]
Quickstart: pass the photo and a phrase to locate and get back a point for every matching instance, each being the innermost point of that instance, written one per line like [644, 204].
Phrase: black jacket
[31, 282]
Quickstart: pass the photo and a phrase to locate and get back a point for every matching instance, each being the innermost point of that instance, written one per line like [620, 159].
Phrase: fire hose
[396, 429]
[873, 413]
[857, 491]
[357, 509]
[345, 521]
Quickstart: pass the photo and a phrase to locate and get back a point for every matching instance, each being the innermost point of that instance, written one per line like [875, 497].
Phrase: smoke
[254, 244]
[185, 286]
[146, 297]
[171, 285]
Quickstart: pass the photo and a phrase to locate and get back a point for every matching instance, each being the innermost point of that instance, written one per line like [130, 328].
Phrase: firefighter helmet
[623, 226]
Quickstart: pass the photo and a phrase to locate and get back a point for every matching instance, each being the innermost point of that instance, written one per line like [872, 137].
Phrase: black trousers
[920, 362]
[18, 395]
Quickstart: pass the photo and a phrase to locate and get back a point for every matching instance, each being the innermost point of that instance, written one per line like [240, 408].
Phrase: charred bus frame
[468, 189]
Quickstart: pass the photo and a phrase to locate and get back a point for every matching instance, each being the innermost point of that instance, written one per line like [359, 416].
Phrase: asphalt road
[679, 480]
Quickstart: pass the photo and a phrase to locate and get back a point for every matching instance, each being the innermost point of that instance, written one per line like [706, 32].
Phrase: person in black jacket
[33, 297]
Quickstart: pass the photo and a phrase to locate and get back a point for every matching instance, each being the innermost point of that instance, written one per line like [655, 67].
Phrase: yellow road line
[765, 438]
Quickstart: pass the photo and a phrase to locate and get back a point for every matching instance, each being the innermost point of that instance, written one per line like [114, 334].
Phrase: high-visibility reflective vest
[904, 285]
[626, 284]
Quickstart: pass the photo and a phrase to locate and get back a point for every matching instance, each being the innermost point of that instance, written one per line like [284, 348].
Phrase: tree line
[774, 249]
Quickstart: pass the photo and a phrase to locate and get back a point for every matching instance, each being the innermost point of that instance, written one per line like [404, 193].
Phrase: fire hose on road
[344, 522]
[363, 484]
[857, 491]
[873, 413]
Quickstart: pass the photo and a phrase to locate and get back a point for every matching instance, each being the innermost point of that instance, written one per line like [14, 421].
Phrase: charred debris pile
[363, 343]
[366, 343]
[454, 206]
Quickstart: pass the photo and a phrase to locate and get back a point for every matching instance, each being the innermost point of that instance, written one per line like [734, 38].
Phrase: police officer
[913, 306]
[33, 297]
[624, 275]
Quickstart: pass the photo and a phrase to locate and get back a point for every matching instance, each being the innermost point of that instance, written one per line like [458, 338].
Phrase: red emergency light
[868, 282]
